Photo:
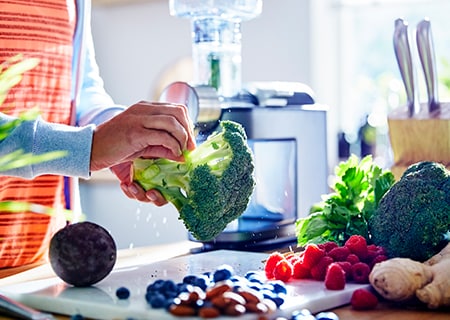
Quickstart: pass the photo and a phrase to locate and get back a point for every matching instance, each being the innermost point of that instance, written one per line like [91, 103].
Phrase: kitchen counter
[146, 255]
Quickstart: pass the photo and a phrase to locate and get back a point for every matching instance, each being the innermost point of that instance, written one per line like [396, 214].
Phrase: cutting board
[100, 301]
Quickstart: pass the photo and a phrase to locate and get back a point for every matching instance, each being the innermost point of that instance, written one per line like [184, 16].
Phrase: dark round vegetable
[82, 253]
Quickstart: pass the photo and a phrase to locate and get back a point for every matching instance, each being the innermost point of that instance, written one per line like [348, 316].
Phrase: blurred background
[342, 49]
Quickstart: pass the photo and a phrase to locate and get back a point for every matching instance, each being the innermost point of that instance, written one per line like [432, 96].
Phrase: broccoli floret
[213, 185]
[413, 217]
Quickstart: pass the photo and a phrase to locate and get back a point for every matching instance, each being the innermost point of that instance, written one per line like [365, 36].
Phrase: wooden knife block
[423, 137]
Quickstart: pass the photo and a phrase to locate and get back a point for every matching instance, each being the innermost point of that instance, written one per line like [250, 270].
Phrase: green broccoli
[212, 187]
[413, 217]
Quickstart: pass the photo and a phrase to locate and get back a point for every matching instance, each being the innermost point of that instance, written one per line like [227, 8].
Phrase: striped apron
[43, 29]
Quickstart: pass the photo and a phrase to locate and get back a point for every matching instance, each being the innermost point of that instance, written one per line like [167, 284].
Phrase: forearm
[38, 137]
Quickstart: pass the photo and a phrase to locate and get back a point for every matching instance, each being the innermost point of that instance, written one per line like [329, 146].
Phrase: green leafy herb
[358, 188]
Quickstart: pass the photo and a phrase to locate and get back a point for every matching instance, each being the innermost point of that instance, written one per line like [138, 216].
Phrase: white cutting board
[100, 301]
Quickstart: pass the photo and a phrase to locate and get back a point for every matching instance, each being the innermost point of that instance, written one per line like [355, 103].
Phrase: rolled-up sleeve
[39, 137]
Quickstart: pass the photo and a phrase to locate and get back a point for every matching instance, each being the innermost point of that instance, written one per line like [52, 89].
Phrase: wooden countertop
[145, 255]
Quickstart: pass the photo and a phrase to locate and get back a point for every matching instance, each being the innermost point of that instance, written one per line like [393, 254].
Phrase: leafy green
[358, 188]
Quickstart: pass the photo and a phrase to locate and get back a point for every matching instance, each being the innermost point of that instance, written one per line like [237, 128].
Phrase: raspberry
[357, 244]
[335, 277]
[292, 258]
[319, 270]
[370, 256]
[381, 251]
[379, 258]
[347, 267]
[360, 272]
[283, 270]
[363, 299]
[352, 258]
[300, 271]
[312, 255]
[328, 246]
[339, 253]
[271, 262]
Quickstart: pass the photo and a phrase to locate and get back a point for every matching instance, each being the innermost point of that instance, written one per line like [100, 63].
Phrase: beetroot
[82, 253]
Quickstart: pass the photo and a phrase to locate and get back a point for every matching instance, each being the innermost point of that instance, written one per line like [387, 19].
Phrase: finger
[157, 140]
[133, 191]
[153, 152]
[123, 171]
[181, 114]
[169, 124]
[156, 197]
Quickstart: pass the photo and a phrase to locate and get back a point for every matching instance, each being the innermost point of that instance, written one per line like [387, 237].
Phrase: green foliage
[11, 72]
[413, 218]
[212, 187]
[358, 187]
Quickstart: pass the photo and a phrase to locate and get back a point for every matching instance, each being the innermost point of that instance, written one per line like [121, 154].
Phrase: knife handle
[404, 60]
[425, 48]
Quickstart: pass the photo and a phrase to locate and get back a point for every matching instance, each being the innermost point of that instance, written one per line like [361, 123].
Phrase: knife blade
[425, 48]
[404, 59]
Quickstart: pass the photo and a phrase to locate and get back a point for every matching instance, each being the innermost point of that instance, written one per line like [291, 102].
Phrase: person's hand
[147, 130]
[133, 190]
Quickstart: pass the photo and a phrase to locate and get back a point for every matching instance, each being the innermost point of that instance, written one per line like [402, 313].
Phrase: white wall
[137, 41]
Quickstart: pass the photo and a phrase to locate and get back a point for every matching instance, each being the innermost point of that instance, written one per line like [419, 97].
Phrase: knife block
[422, 137]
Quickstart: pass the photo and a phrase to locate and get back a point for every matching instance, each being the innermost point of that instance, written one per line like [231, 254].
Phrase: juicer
[286, 128]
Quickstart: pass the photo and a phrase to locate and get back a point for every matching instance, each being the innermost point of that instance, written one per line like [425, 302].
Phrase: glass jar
[216, 39]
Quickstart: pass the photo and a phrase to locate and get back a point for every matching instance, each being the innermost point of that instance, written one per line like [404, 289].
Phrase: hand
[146, 129]
[133, 190]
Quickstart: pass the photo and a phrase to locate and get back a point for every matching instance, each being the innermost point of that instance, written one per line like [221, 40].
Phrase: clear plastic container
[216, 39]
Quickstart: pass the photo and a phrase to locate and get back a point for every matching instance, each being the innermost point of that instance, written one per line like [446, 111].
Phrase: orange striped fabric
[42, 29]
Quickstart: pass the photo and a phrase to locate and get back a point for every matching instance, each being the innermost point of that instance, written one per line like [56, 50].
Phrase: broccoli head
[413, 217]
[213, 185]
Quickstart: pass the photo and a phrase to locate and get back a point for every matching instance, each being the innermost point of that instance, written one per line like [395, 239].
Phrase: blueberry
[169, 288]
[122, 293]
[268, 294]
[303, 314]
[156, 300]
[255, 286]
[190, 279]
[155, 286]
[184, 287]
[249, 274]
[77, 317]
[327, 316]
[202, 282]
[256, 279]
[279, 287]
[278, 299]
[223, 273]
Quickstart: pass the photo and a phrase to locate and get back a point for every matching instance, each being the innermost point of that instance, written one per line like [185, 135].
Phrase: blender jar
[216, 39]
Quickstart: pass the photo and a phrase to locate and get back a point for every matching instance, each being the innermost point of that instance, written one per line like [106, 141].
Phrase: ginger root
[398, 279]
[401, 279]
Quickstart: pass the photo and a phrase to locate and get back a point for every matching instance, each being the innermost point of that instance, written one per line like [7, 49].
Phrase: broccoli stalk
[213, 185]
[413, 217]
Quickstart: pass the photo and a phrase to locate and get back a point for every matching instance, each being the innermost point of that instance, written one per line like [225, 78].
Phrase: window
[363, 68]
